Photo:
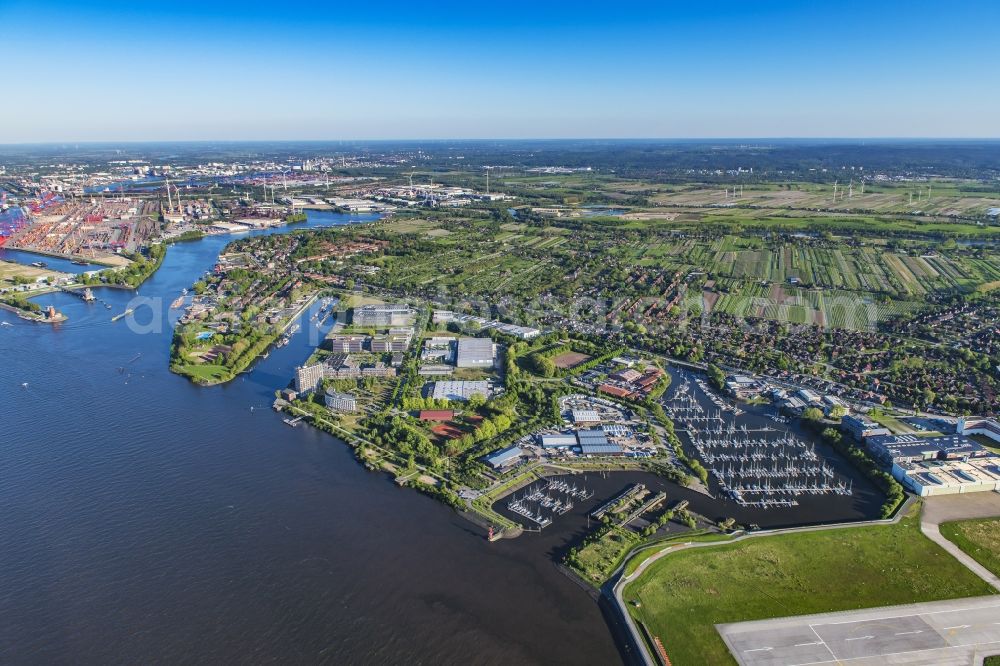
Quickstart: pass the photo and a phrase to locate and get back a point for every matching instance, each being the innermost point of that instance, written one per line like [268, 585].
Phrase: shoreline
[38, 318]
[614, 587]
[68, 257]
[281, 331]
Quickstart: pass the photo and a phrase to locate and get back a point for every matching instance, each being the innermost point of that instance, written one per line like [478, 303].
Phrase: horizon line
[511, 139]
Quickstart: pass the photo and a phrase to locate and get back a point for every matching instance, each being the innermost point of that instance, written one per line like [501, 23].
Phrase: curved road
[616, 584]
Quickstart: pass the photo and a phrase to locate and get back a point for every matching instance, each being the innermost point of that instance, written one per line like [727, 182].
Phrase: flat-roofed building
[340, 402]
[744, 387]
[378, 369]
[809, 397]
[595, 443]
[832, 403]
[911, 448]
[436, 370]
[461, 390]
[585, 416]
[390, 343]
[476, 353]
[861, 427]
[617, 430]
[348, 344]
[383, 315]
[973, 425]
[949, 477]
[557, 441]
[308, 377]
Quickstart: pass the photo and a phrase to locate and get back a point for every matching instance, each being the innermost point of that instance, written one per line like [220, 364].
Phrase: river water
[147, 520]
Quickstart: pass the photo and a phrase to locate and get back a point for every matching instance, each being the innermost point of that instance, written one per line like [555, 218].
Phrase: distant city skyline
[114, 71]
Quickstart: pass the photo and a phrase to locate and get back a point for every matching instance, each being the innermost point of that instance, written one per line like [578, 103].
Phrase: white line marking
[907, 633]
[958, 626]
[944, 648]
[820, 639]
[858, 638]
[813, 643]
[876, 614]
[763, 649]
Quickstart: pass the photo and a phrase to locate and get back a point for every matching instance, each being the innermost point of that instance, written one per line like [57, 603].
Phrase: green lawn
[892, 423]
[979, 538]
[684, 595]
[207, 373]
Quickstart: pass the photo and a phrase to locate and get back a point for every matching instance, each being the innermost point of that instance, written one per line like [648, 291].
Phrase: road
[615, 586]
[943, 632]
[945, 508]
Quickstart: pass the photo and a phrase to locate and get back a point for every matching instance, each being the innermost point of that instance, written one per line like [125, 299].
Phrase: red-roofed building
[651, 377]
[614, 390]
[437, 414]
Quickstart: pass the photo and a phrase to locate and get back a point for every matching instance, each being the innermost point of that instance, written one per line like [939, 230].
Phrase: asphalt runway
[944, 632]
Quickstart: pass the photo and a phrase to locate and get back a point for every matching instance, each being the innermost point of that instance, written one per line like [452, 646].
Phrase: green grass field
[979, 538]
[684, 595]
[207, 373]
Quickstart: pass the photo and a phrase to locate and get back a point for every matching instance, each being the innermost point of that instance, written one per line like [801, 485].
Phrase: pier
[755, 467]
[540, 503]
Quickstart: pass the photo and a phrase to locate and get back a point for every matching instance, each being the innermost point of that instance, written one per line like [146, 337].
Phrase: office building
[340, 402]
[383, 315]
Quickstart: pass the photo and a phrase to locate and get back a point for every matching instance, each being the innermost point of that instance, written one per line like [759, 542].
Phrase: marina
[757, 466]
[539, 503]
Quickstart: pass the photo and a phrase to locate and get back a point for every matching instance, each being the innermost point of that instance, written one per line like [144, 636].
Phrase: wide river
[146, 520]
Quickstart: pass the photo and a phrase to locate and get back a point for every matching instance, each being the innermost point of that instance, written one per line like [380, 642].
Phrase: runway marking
[955, 646]
[763, 649]
[878, 616]
[813, 643]
[822, 642]
[907, 633]
[858, 638]
[958, 626]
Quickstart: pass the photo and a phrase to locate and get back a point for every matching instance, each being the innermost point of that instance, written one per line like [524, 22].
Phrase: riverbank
[215, 374]
[33, 315]
[108, 261]
[231, 507]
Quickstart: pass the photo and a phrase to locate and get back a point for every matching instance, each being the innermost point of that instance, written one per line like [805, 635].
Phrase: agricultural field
[940, 198]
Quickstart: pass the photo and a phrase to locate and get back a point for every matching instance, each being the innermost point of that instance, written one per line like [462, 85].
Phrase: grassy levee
[684, 595]
[979, 538]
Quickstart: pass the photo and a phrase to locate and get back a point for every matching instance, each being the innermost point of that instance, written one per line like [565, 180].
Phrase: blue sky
[330, 70]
